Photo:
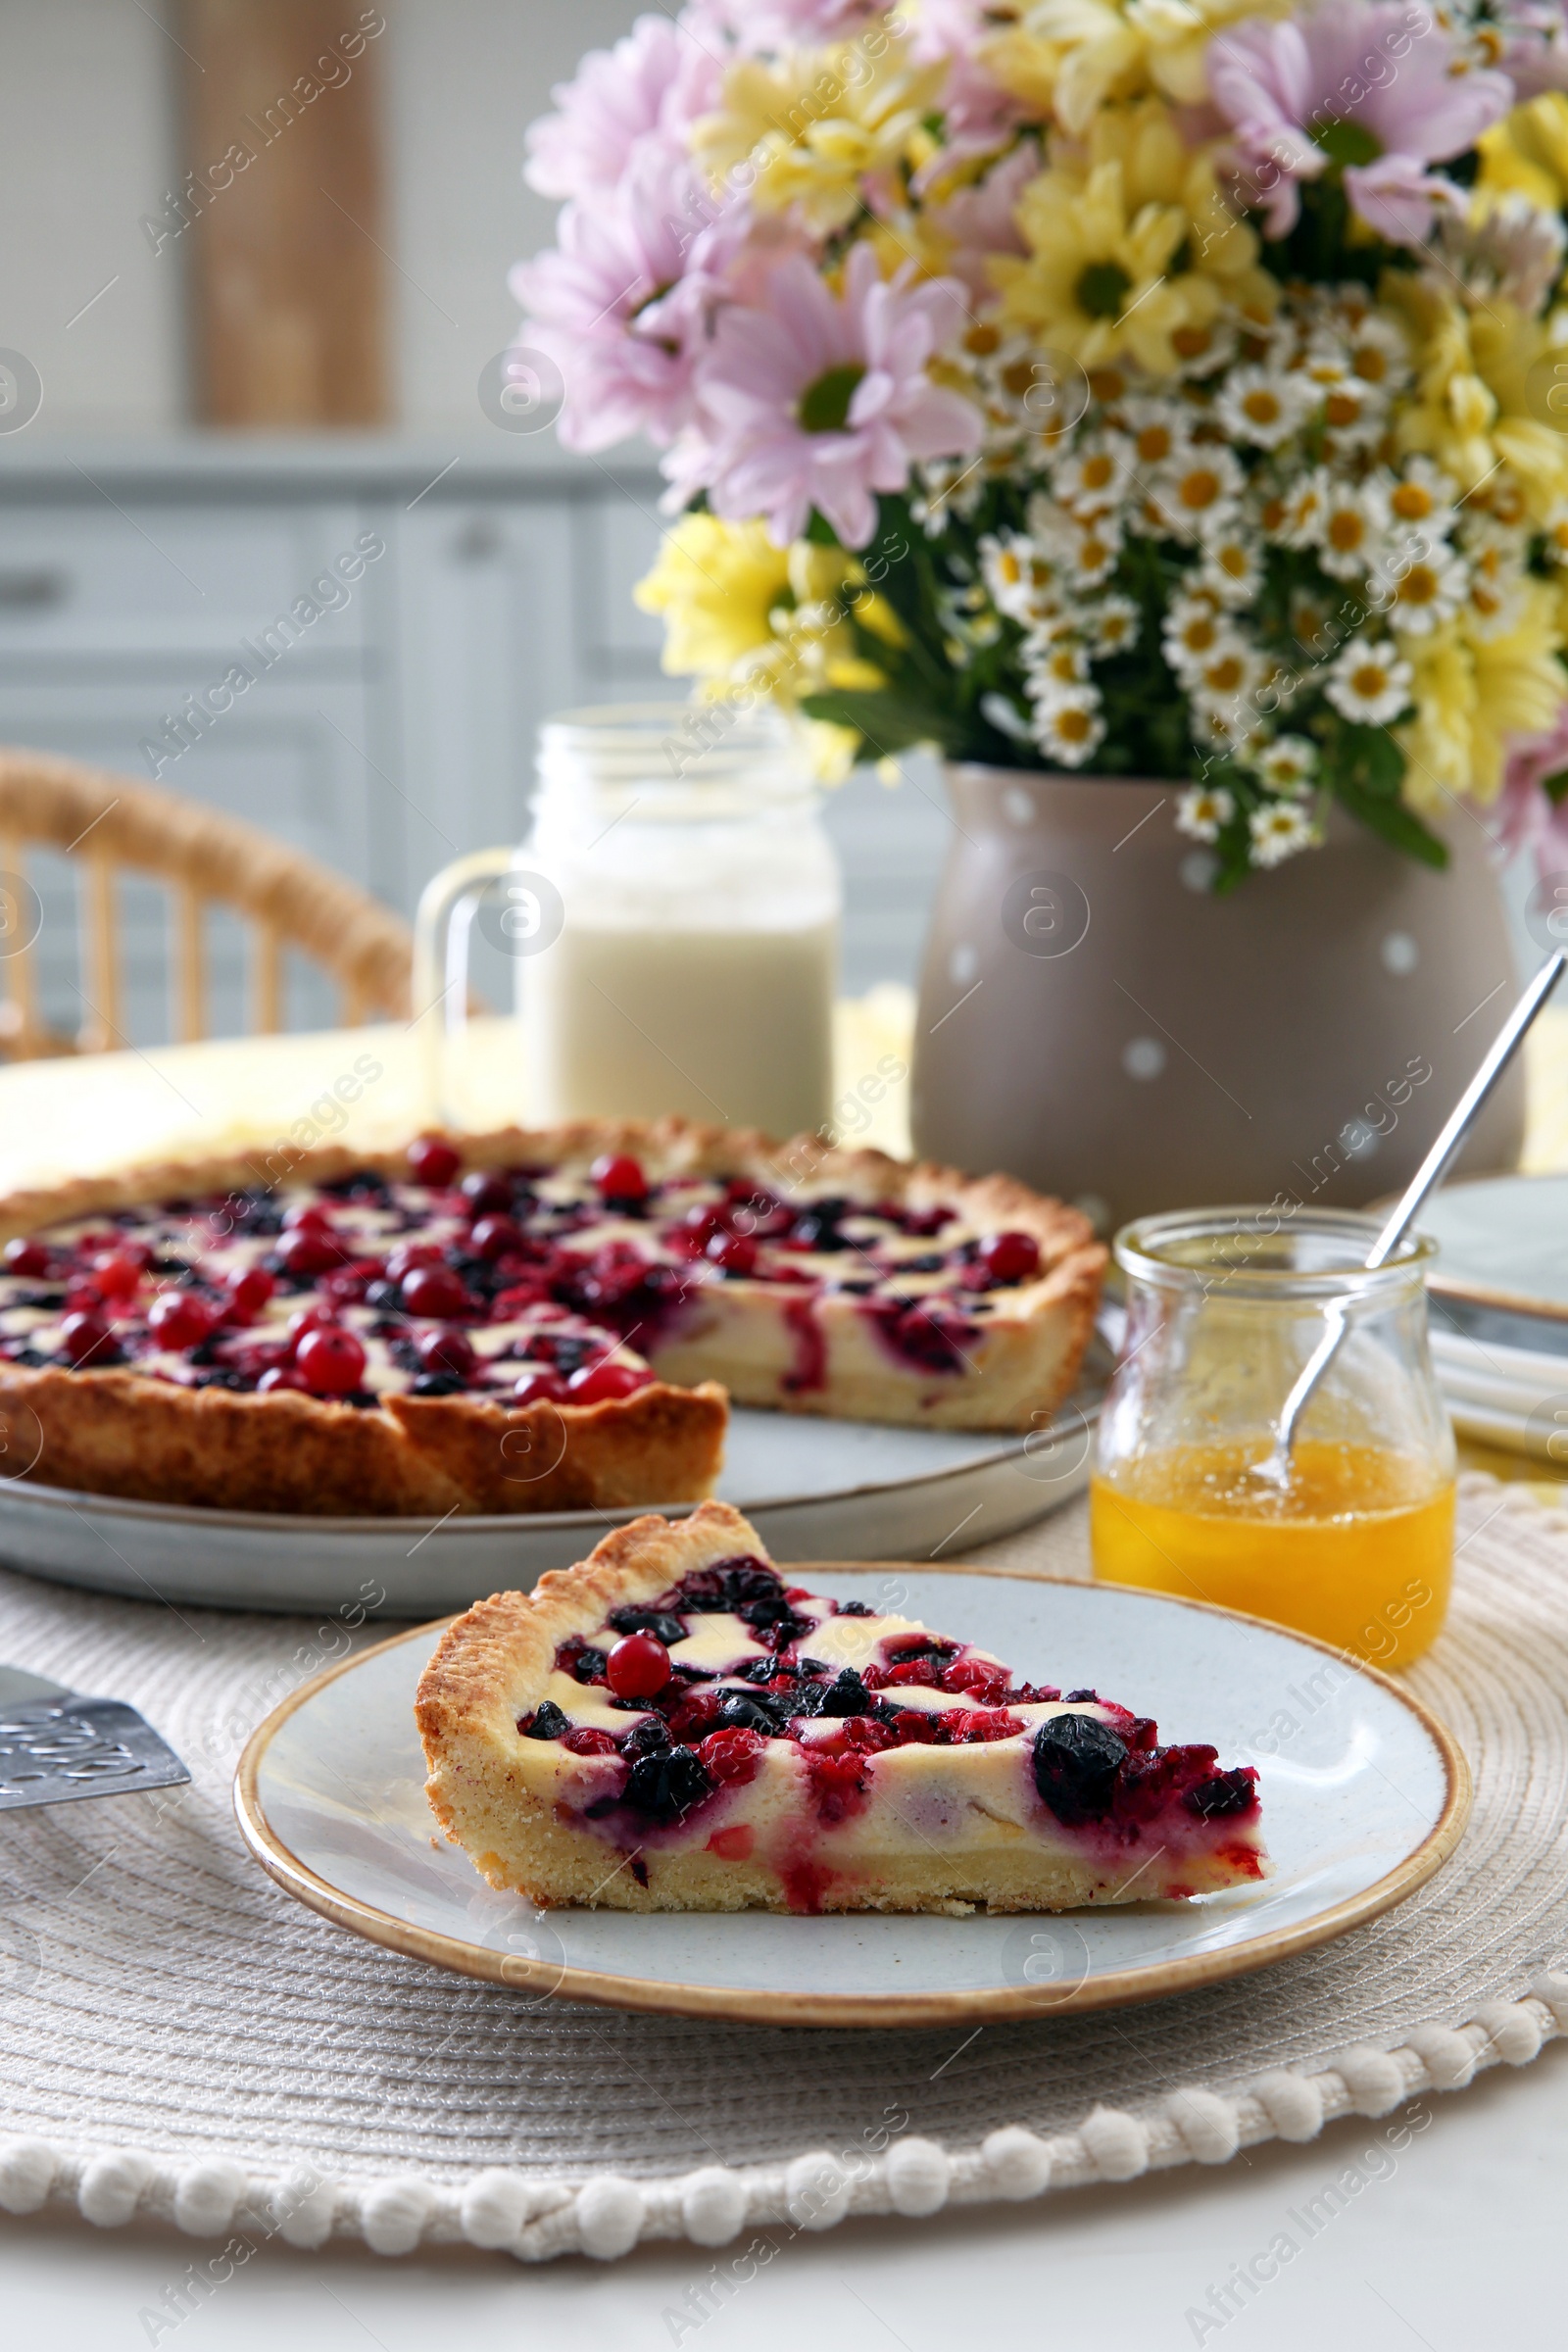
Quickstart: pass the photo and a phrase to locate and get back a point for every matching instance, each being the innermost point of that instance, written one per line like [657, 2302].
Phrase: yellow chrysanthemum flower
[807, 128]
[1526, 154]
[1474, 695]
[1097, 280]
[832, 751]
[1130, 248]
[1471, 409]
[715, 583]
[1067, 57]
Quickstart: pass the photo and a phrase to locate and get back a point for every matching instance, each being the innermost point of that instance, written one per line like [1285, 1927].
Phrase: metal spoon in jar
[1276, 1466]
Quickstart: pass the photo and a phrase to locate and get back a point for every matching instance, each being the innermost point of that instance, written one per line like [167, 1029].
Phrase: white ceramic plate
[1503, 1243]
[1518, 1379]
[1362, 1800]
[815, 1488]
[1511, 1431]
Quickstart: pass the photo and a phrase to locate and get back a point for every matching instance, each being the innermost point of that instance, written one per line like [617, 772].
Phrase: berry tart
[669, 1726]
[518, 1321]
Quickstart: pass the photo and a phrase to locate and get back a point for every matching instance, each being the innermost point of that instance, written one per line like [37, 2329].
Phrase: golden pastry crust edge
[492, 1664]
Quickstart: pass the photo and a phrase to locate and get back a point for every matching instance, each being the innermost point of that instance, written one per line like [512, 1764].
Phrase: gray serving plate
[815, 1490]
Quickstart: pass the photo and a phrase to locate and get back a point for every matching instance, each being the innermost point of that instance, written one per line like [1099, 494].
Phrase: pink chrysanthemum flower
[816, 400]
[1365, 84]
[760, 25]
[1534, 54]
[1522, 815]
[622, 302]
[656, 81]
[981, 220]
[978, 116]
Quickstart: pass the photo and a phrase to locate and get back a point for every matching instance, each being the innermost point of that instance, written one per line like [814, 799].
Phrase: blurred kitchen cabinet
[410, 617]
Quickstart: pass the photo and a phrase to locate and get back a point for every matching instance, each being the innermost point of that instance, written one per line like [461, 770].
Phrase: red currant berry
[638, 1667]
[695, 1230]
[180, 1319]
[307, 1213]
[330, 1361]
[494, 1236]
[86, 1339]
[518, 1297]
[26, 1258]
[618, 1177]
[1010, 1256]
[732, 1755]
[586, 1740]
[540, 1387]
[249, 1288]
[311, 1249]
[447, 1351]
[433, 1290]
[487, 1194]
[281, 1376]
[116, 1274]
[409, 1255]
[305, 1319]
[736, 1253]
[597, 1383]
[433, 1162]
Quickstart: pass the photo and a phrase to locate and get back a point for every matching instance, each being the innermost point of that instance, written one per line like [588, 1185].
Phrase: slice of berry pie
[518, 1321]
[670, 1727]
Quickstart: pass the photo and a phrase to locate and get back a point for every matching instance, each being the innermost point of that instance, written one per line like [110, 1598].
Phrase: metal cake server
[54, 1745]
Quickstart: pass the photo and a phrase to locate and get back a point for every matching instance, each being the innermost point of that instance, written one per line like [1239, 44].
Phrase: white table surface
[1460, 2245]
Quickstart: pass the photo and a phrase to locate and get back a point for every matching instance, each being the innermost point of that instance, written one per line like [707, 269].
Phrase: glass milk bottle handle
[442, 929]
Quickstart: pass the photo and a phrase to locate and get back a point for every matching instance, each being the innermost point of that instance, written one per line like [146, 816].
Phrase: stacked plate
[1500, 1310]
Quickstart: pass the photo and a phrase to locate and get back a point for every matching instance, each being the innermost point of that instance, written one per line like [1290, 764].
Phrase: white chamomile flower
[1113, 624]
[1058, 660]
[1355, 414]
[1423, 592]
[1300, 512]
[1424, 499]
[1350, 529]
[1556, 532]
[1203, 811]
[1233, 562]
[1287, 764]
[1264, 405]
[1325, 361]
[1193, 629]
[1278, 830]
[1068, 725]
[1093, 479]
[1159, 432]
[1378, 353]
[1369, 682]
[1196, 490]
[1200, 351]
[1228, 674]
[1017, 573]
[1090, 557]
[1497, 557]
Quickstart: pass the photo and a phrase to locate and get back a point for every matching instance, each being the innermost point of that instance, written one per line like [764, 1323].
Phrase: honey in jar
[1356, 1546]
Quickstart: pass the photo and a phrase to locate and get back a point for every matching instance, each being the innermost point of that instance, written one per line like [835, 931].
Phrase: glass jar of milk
[673, 916]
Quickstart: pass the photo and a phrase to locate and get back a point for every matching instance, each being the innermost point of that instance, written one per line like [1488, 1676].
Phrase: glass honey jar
[1224, 1306]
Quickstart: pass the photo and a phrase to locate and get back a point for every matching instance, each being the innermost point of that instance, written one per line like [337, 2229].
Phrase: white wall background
[89, 143]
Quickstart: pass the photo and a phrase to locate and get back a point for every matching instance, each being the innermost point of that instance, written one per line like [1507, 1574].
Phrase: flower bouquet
[1171, 388]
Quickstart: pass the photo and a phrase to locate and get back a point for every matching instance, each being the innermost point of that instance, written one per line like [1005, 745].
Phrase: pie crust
[120, 1430]
[835, 1813]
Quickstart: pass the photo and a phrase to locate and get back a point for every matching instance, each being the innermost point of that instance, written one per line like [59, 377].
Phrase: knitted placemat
[179, 2037]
